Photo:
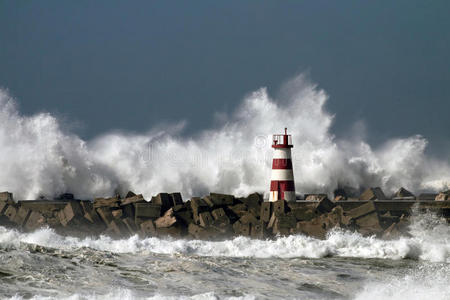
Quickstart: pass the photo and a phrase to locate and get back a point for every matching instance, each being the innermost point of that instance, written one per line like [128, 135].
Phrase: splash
[37, 157]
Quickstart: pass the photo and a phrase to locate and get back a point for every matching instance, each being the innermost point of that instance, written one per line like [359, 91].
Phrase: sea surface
[45, 265]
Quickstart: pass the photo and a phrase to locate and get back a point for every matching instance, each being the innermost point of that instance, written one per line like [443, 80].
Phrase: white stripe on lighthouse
[282, 153]
[282, 174]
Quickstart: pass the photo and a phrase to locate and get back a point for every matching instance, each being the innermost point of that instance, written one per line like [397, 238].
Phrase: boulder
[403, 194]
[132, 199]
[117, 213]
[443, 196]
[164, 200]
[266, 211]
[35, 220]
[148, 228]
[167, 220]
[106, 202]
[374, 193]
[176, 199]
[315, 197]
[205, 219]
[71, 214]
[6, 196]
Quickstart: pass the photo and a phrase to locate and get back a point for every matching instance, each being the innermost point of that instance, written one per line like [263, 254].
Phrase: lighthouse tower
[282, 181]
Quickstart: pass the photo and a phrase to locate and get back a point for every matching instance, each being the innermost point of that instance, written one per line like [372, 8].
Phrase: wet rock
[205, 219]
[374, 193]
[164, 200]
[369, 224]
[6, 196]
[403, 194]
[35, 220]
[106, 202]
[167, 220]
[443, 196]
[132, 199]
[315, 228]
[266, 211]
[315, 197]
[176, 199]
[117, 213]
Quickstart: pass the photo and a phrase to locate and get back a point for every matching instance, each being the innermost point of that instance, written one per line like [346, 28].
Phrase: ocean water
[45, 265]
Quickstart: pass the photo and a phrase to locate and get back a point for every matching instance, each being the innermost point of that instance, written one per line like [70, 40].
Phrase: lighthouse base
[286, 195]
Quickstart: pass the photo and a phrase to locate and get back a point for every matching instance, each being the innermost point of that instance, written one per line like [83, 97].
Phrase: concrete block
[362, 210]
[443, 196]
[167, 220]
[35, 220]
[6, 196]
[266, 211]
[11, 212]
[131, 226]
[132, 199]
[106, 202]
[279, 206]
[21, 217]
[241, 229]
[375, 193]
[3, 207]
[71, 213]
[238, 209]
[185, 216]
[218, 213]
[325, 205]
[427, 196]
[403, 194]
[221, 199]
[304, 213]
[315, 197]
[117, 213]
[315, 228]
[147, 210]
[257, 231]
[176, 198]
[164, 200]
[105, 214]
[253, 202]
[148, 228]
[248, 218]
[205, 219]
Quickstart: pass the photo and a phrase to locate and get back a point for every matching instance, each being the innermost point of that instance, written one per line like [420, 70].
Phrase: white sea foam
[430, 241]
[38, 158]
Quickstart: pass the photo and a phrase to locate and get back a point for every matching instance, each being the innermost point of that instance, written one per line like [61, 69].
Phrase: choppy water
[44, 265]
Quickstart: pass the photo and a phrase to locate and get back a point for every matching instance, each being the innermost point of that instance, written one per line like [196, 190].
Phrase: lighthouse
[282, 185]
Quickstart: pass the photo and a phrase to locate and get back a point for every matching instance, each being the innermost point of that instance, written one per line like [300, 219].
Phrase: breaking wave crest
[430, 241]
[37, 157]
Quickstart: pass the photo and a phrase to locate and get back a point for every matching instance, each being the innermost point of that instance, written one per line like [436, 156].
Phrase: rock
[167, 220]
[369, 224]
[325, 205]
[6, 196]
[130, 194]
[266, 211]
[373, 194]
[443, 196]
[117, 214]
[241, 229]
[205, 219]
[131, 226]
[238, 209]
[339, 198]
[164, 200]
[106, 202]
[148, 228]
[403, 194]
[35, 220]
[279, 206]
[315, 228]
[105, 214]
[253, 203]
[315, 197]
[176, 199]
[362, 210]
[132, 199]
[146, 210]
[304, 213]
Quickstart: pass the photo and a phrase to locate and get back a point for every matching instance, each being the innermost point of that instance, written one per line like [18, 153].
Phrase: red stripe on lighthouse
[282, 163]
[284, 185]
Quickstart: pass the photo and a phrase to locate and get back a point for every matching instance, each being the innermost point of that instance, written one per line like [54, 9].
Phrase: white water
[38, 158]
[430, 241]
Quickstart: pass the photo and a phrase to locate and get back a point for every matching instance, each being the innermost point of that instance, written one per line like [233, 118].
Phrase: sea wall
[216, 216]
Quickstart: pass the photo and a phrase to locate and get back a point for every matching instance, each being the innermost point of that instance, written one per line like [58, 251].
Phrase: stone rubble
[219, 216]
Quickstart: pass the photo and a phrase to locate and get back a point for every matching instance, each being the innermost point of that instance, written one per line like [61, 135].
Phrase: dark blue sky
[131, 65]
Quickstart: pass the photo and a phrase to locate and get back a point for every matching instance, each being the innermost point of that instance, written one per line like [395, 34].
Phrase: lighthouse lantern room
[282, 185]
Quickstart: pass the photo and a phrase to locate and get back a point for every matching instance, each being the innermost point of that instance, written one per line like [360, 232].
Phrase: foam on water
[430, 241]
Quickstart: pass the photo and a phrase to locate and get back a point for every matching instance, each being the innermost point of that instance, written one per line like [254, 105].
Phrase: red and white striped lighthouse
[282, 181]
